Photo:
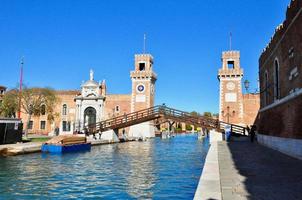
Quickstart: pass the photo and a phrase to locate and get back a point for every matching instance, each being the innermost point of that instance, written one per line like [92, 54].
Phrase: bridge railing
[124, 119]
[151, 114]
[234, 128]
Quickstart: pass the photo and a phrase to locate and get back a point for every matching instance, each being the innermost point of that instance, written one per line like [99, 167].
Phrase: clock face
[230, 86]
[140, 88]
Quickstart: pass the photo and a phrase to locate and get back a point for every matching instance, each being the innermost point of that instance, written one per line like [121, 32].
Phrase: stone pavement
[251, 171]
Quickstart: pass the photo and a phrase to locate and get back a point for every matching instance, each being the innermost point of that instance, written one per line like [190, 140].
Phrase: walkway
[252, 171]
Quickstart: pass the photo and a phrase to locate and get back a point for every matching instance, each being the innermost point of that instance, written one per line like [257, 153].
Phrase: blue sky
[61, 40]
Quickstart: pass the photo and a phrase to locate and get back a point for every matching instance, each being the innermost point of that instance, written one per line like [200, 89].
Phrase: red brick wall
[111, 101]
[251, 104]
[284, 120]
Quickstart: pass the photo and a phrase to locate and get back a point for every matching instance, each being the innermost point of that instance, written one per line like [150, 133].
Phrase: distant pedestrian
[57, 130]
[248, 129]
[86, 132]
[253, 133]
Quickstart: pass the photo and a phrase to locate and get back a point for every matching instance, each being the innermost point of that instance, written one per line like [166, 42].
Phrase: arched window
[266, 88]
[43, 110]
[276, 80]
[64, 111]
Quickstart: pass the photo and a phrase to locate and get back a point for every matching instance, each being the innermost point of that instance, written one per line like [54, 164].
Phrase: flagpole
[20, 88]
[230, 41]
[144, 42]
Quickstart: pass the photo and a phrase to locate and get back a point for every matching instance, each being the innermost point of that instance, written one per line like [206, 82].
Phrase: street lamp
[228, 115]
[246, 85]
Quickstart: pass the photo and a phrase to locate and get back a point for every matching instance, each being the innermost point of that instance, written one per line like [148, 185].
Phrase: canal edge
[209, 186]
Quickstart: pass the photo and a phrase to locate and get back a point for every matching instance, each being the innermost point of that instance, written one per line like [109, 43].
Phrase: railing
[234, 128]
[152, 114]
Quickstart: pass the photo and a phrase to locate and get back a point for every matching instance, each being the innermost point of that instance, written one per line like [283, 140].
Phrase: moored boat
[65, 144]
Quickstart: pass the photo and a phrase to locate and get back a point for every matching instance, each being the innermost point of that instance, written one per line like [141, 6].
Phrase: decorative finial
[91, 75]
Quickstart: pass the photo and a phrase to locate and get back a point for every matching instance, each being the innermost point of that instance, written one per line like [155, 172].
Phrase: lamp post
[228, 115]
[247, 85]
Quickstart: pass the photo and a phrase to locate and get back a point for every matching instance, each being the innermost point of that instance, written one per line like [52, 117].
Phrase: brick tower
[143, 88]
[230, 92]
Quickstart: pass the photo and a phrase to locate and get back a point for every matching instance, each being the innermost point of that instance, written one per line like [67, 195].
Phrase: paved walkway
[252, 171]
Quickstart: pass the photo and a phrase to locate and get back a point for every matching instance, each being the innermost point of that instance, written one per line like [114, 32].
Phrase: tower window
[142, 66]
[231, 64]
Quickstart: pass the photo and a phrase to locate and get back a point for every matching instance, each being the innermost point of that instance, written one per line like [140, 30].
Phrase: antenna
[230, 41]
[144, 50]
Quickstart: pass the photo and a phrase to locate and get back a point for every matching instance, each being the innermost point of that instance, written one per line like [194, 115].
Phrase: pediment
[91, 95]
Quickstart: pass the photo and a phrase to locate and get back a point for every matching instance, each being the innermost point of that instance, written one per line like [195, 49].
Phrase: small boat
[66, 144]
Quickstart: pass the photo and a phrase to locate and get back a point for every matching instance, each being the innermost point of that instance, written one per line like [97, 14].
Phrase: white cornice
[293, 95]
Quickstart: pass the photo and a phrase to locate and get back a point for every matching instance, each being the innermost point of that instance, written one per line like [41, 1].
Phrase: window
[141, 66]
[42, 125]
[66, 126]
[276, 80]
[64, 111]
[30, 124]
[231, 64]
[43, 110]
[1, 91]
[291, 52]
[266, 88]
[117, 108]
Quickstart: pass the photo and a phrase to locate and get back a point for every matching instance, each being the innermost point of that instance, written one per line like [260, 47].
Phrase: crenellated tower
[143, 89]
[230, 91]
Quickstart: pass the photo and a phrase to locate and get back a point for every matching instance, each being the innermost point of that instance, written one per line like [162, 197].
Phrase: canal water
[155, 169]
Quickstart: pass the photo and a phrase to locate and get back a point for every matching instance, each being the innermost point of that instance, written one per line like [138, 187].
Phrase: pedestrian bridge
[160, 114]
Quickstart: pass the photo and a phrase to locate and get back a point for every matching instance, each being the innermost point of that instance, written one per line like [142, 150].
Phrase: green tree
[188, 127]
[216, 115]
[195, 114]
[37, 101]
[207, 114]
[9, 104]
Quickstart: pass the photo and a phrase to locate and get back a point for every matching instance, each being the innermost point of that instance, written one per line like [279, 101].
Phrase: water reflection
[141, 176]
[156, 169]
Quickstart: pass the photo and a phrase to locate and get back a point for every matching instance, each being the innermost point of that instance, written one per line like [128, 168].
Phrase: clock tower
[143, 88]
[230, 91]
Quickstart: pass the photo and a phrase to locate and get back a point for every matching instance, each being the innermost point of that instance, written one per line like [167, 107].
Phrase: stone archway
[89, 116]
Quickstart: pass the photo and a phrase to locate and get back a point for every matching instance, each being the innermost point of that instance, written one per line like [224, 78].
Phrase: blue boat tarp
[54, 148]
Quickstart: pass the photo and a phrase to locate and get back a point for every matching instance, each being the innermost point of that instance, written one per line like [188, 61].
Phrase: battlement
[230, 54]
[230, 73]
[143, 74]
[144, 56]
[293, 10]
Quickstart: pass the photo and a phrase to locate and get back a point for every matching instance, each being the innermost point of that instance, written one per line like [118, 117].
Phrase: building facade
[280, 66]
[77, 109]
[234, 106]
[2, 91]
